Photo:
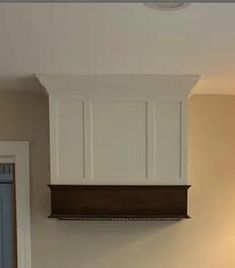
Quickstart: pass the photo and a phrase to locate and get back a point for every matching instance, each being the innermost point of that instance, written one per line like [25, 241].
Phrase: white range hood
[118, 129]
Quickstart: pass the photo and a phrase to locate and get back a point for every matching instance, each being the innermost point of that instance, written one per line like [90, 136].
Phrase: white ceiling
[120, 38]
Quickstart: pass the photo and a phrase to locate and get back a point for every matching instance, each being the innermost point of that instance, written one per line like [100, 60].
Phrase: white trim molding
[19, 152]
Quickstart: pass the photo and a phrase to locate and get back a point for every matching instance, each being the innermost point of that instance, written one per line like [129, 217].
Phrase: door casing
[17, 152]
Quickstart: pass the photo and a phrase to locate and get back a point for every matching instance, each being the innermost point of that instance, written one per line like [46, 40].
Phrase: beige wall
[120, 38]
[207, 240]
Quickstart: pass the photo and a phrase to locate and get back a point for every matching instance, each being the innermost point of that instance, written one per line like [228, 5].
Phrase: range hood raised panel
[122, 131]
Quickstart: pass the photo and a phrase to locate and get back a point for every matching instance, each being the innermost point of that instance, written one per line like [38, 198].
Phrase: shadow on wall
[20, 83]
[91, 243]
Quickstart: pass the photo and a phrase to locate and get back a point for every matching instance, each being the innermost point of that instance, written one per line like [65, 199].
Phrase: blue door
[6, 222]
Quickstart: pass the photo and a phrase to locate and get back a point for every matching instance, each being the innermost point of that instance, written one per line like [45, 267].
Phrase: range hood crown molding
[158, 84]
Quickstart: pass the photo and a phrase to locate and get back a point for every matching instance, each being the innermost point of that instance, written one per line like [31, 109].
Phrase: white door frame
[18, 153]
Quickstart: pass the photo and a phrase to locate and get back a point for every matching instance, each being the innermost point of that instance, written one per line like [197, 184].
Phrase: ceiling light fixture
[167, 6]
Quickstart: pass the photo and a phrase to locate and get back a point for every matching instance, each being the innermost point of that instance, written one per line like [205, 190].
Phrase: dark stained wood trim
[96, 202]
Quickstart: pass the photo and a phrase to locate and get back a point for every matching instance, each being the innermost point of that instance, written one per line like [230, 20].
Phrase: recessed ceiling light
[167, 6]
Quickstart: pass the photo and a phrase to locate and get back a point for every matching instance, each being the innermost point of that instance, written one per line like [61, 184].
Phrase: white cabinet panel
[168, 141]
[70, 139]
[119, 140]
